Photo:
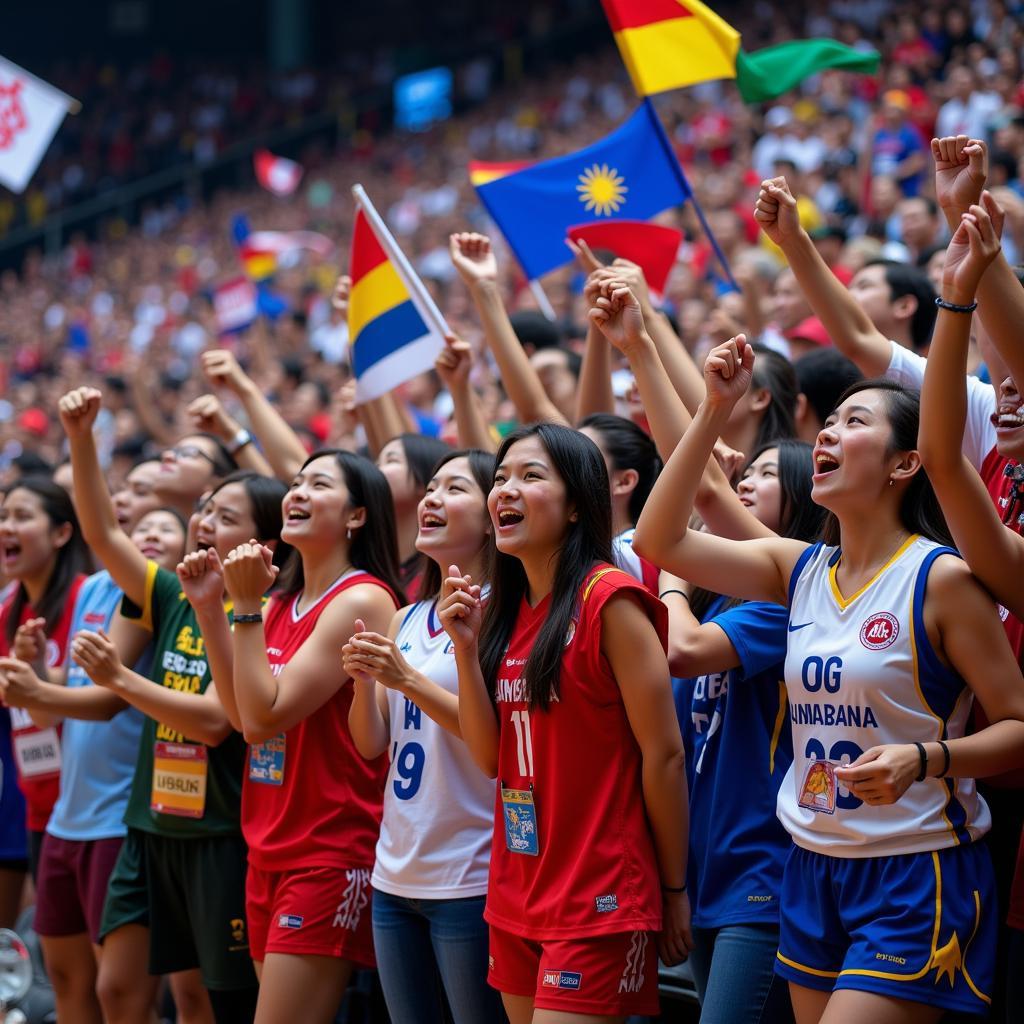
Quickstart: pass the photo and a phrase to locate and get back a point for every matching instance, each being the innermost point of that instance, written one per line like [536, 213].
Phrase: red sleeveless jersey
[595, 870]
[309, 798]
[37, 751]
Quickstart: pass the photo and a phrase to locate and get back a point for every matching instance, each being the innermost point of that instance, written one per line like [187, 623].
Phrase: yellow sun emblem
[602, 189]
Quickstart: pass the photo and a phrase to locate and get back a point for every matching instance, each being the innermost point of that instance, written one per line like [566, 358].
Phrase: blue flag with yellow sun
[631, 174]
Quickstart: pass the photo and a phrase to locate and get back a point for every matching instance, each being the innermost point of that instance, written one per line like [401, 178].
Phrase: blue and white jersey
[738, 749]
[99, 757]
[861, 672]
[435, 835]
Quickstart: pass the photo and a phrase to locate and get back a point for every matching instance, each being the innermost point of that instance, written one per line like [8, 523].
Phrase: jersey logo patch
[562, 979]
[606, 904]
[879, 631]
[802, 625]
[289, 921]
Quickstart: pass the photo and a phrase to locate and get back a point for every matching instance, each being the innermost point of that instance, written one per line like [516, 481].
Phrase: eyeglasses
[190, 451]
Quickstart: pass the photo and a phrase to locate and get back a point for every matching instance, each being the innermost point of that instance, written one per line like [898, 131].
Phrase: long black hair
[481, 467]
[72, 557]
[588, 541]
[374, 547]
[628, 447]
[265, 494]
[920, 511]
[775, 373]
[799, 517]
[421, 455]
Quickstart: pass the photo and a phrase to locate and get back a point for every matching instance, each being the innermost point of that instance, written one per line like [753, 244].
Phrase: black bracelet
[675, 892]
[682, 593]
[945, 753]
[251, 617]
[923, 774]
[953, 307]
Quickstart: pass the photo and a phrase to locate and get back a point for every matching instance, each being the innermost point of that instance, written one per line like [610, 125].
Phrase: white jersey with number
[435, 836]
[861, 672]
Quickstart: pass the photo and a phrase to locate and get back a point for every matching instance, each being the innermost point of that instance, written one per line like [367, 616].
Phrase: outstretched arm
[472, 257]
[849, 327]
[454, 365]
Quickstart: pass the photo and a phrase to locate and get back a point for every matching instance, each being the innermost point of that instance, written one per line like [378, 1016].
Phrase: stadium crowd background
[128, 305]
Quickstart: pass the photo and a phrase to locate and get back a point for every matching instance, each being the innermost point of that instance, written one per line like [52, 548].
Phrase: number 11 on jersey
[524, 744]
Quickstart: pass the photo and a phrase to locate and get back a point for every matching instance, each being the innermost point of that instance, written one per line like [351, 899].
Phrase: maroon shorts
[72, 885]
[310, 911]
[613, 975]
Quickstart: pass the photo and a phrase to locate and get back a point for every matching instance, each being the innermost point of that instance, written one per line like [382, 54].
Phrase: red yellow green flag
[667, 44]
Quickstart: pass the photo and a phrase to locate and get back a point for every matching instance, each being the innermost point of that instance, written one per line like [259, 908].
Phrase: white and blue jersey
[861, 672]
[738, 750]
[438, 822]
[99, 757]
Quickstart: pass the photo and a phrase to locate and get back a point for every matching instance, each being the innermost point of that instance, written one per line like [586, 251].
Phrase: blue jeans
[734, 970]
[427, 949]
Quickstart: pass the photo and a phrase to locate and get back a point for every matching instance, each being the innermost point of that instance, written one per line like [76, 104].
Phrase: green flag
[777, 69]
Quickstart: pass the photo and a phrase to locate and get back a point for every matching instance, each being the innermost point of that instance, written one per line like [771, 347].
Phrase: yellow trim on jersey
[780, 719]
[844, 602]
[597, 575]
[805, 969]
[963, 966]
[938, 718]
[146, 619]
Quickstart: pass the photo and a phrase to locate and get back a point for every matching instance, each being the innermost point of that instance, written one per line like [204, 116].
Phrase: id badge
[266, 761]
[520, 821]
[37, 753]
[818, 789]
[179, 779]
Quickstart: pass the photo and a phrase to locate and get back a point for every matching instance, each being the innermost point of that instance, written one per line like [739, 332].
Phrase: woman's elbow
[645, 543]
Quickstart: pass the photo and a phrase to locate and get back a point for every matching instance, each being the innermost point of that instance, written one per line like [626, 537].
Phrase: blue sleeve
[757, 631]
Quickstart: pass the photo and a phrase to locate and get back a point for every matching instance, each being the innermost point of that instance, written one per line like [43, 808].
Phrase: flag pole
[541, 297]
[674, 160]
[422, 297]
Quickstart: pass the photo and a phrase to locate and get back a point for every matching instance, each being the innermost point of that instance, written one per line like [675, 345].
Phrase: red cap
[811, 329]
[35, 421]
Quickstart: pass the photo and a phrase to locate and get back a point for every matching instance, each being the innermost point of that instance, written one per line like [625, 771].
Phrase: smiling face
[760, 491]
[186, 469]
[1008, 420]
[853, 457]
[160, 537]
[528, 504]
[317, 508]
[453, 520]
[29, 540]
[395, 466]
[226, 520]
[136, 496]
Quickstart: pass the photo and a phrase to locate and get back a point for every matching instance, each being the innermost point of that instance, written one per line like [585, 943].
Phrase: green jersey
[182, 787]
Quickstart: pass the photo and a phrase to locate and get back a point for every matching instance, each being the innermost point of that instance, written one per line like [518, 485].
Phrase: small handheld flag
[631, 173]
[395, 329]
[31, 111]
[275, 173]
[652, 247]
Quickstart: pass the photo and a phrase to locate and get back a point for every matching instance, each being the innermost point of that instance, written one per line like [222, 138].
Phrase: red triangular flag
[651, 246]
[275, 173]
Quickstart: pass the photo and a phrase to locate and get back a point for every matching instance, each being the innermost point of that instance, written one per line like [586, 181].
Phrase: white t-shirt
[435, 835]
[907, 368]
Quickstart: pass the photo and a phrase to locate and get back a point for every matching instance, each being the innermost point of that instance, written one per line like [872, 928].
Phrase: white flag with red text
[276, 173]
[30, 114]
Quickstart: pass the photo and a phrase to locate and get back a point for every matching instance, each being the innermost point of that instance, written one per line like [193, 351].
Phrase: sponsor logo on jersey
[760, 899]
[94, 618]
[562, 979]
[801, 625]
[892, 958]
[606, 904]
[879, 631]
[290, 921]
[406, 647]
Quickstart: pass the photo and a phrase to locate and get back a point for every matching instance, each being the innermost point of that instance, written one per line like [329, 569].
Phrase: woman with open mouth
[885, 878]
[564, 697]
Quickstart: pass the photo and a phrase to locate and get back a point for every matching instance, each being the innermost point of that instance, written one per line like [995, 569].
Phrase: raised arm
[284, 451]
[994, 553]
[630, 643]
[454, 365]
[202, 581]
[269, 704]
[208, 414]
[472, 257]
[460, 612]
[121, 558]
[595, 384]
[756, 569]
[849, 327]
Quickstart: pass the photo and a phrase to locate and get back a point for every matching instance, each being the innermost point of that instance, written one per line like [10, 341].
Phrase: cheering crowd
[687, 626]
